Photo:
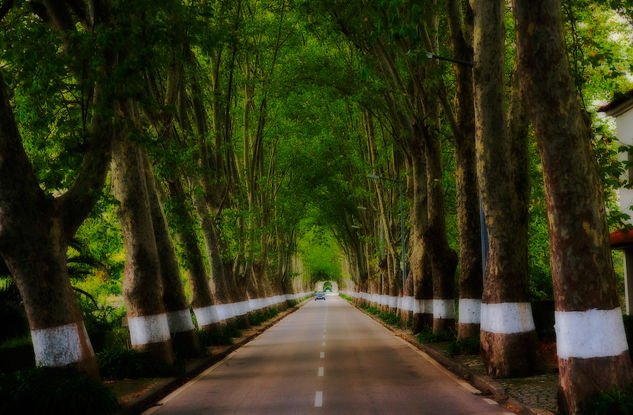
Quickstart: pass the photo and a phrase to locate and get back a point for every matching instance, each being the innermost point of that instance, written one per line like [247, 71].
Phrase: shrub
[54, 391]
[615, 402]
[121, 363]
[240, 323]
[390, 318]
[103, 324]
[427, 336]
[17, 353]
[470, 346]
[218, 337]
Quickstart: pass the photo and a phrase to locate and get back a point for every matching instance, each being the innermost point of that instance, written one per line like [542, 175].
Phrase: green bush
[54, 391]
[390, 318]
[469, 346]
[371, 309]
[427, 336]
[218, 337]
[120, 363]
[615, 402]
[232, 330]
[103, 324]
[258, 317]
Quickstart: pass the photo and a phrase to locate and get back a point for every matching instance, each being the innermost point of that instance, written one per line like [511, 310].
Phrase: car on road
[319, 296]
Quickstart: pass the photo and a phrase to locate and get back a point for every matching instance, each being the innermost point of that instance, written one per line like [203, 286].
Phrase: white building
[621, 109]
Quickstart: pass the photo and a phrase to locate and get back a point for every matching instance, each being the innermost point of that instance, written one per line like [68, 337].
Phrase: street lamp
[403, 260]
[431, 55]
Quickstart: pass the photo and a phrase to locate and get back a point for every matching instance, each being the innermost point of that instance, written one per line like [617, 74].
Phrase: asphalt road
[327, 358]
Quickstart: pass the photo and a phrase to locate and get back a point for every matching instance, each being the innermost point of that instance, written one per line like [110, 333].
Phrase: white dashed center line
[321, 371]
[322, 356]
[323, 344]
[318, 399]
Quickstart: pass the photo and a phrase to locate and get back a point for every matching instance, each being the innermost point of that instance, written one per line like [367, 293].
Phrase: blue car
[319, 296]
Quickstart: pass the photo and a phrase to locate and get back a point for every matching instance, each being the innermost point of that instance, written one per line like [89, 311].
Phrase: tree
[460, 22]
[37, 227]
[592, 348]
[509, 343]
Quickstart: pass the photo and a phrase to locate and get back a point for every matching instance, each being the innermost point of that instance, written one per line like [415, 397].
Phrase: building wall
[624, 128]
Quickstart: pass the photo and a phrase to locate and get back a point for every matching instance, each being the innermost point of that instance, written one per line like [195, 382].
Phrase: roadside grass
[469, 346]
[123, 363]
[392, 319]
[427, 336]
[54, 391]
[614, 402]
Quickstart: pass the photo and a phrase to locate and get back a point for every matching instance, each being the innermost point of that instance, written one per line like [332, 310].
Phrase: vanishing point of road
[327, 358]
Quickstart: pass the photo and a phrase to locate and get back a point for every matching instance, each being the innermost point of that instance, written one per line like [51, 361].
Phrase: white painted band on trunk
[393, 301]
[242, 308]
[443, 309]
[227, 311]
[148, 329]
[428, 306]
[57, 346]
[179, 321]
[507, 318]
[469, 311]
[408, 303]
[418, 306]
[591, 333]
[207, 315]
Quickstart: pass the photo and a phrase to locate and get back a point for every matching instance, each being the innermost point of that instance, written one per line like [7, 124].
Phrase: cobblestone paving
[538, 392]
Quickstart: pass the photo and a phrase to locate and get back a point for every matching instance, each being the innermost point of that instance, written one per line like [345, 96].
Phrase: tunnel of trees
[167, 167]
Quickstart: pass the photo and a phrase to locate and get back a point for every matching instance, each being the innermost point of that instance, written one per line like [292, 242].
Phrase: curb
[488, 387]
[148, 400]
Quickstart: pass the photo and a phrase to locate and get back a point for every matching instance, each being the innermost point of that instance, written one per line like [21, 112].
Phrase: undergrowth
[615, 402]
[468, 346]
[54, 391]
[122, 363]
[427, 336]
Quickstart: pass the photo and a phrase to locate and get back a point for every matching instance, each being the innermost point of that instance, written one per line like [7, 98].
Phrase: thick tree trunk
[212, 245]
[38, 265]
[181, 325]
[508, 338]
[443, 258]
[592, 348]
[470, 273]
[142, 292]
[34, 233]
[420, 263]
[201, 297]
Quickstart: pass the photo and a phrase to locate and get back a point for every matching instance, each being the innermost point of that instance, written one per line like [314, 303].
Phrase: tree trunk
[420, 263]
[38, 265]
[35, 230]
[179, 319]
[201, 297]
[470, 273]
[443, 258]
[142, 292]
[592, 348]
[508, 338]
